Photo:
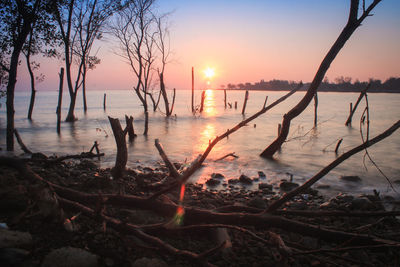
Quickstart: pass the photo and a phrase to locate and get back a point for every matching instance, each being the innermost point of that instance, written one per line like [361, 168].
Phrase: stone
[70, 257]
[213, 182]
[265, 186]
[261, 175]
[245, 179]
[146, 262]
[217, 176]
[15, 239]
[362, 203]
[287, 186]
[233, 181]
[351, 178]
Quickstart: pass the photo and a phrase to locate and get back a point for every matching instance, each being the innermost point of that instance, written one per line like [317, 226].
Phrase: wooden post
[246, 97]
[203, 96]
[265, 102]
[104, 101]
[122, 151]
[192, 90]
[352, 110]
[338, 145]
[235, 104]
[225, 98]
[60, 92]
[129, 125]
[315, 109]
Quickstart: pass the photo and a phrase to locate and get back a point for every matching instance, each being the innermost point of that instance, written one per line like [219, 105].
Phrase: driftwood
[228, 155]
[278, 203]
[352, 24]
[60, 92]
[129, 126]
[352, 110]
[182, 178]
[122, 152]
[21, 143]
[338, 145]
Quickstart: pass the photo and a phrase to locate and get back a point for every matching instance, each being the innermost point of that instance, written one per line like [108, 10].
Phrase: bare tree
[17, 19]
[354, 21]
[134, 30]
[164, 49]
[80, 23]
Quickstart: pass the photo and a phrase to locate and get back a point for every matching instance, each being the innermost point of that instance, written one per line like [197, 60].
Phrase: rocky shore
[32, 235]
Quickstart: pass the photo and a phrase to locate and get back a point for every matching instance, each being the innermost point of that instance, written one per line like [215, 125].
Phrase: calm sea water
[184, 136]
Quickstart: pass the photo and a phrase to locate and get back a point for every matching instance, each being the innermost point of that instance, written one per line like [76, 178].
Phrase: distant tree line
[340, 84]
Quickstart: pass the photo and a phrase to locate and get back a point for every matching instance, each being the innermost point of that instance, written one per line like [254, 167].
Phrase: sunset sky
[246, 41]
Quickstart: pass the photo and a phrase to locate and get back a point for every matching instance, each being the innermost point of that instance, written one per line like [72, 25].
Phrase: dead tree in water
[129, 125]
[352, 110]
[104, 101]
[203, 97]
[352, 24]
[122, 152]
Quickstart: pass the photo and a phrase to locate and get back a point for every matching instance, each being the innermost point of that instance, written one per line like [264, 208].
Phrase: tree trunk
[104, 101]
[129, 126]
[146, 122]
[315, 109]
[60, 92]
[33, 91]
[164, 94]
[173, 101]
[84, 89]
[71, 116]
[352, 24]
[122, 152]
[225, 98]
[203, 96]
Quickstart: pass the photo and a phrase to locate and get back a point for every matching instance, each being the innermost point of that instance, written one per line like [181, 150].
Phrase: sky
[246, 41]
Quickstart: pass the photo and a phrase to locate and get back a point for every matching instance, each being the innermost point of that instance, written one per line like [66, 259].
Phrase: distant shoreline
[320, 91]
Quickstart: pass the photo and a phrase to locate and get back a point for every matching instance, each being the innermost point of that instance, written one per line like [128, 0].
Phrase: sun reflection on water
[209, 103]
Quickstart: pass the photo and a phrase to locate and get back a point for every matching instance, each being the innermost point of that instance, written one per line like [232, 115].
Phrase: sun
[209, 73]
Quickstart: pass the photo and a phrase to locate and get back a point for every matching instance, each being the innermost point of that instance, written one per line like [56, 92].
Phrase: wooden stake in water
[225, 97]
[192, 90]
[246, 97]
[315, 109]
[104, 101]
[60, 92]
[203, 96]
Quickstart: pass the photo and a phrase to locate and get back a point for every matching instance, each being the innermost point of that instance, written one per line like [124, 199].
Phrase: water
[184, 136]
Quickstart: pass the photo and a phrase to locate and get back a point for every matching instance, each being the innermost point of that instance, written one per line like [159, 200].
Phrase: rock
[13, 256]
[265, 186]
[233, 181]
[245, 179]
[15, 239]
[351, 178]
[217, 176]
[287, 186]
[146, 262]
[258, 202]
[38, 156]
[70, 257]
[362, 203]
[261, 175]
[213, 182]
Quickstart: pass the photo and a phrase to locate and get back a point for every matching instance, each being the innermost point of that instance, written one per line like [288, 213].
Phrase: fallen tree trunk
[352, 24]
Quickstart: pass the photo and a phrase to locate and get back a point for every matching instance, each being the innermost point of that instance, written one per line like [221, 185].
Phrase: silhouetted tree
[354, 21]
[80, 23]
[17, 19]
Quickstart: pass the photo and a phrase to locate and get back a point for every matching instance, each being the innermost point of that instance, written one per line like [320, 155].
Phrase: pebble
[217, 176]
[233, 181]
[261, 175]
[287, 186]
[245, 179]
[213, 182]
[265, 186]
